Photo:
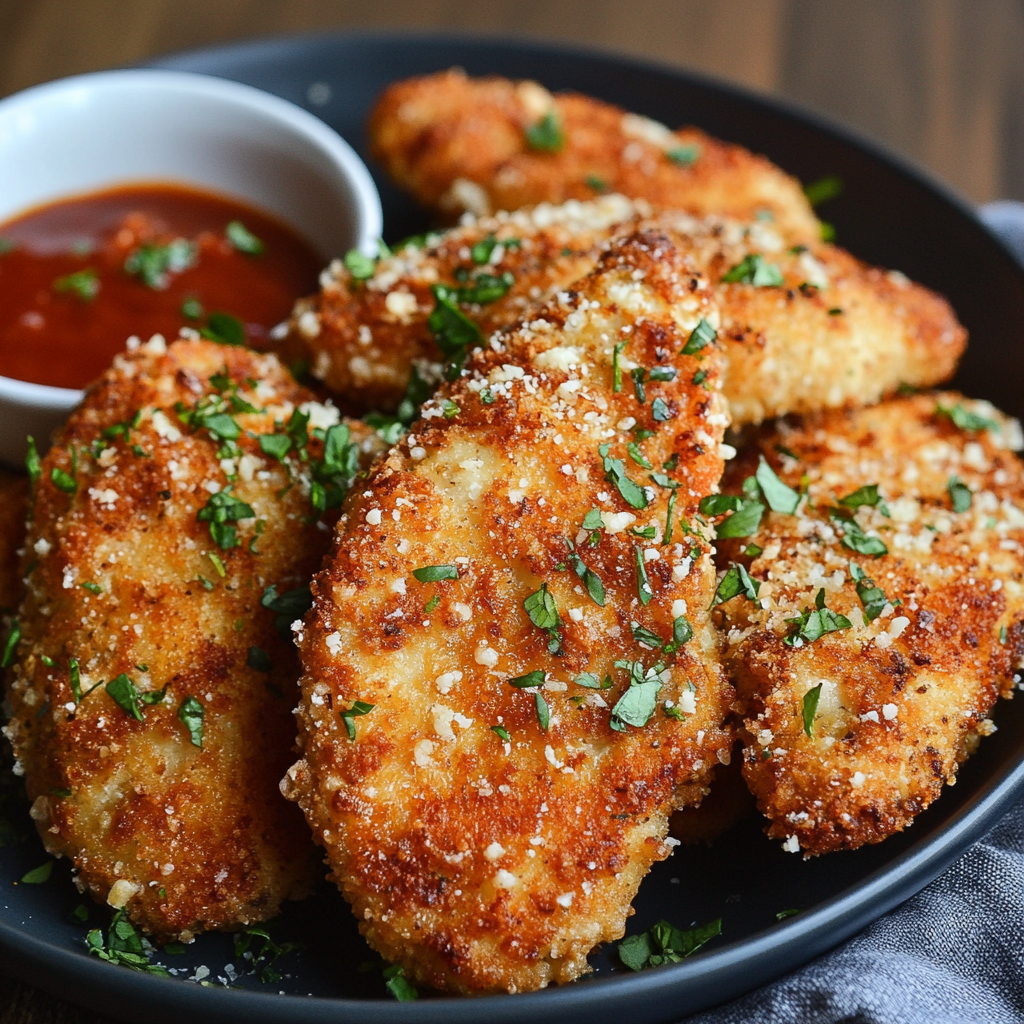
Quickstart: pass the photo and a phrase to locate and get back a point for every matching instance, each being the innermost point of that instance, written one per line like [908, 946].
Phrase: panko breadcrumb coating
[890, 614]
[502, 699]
[152, 695]
[805, 327]
[480, 145]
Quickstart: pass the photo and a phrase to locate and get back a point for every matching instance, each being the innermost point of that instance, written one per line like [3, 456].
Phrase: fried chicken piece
[805, 328]
[461, 144]
[494, 733]
[890, 614]
[171, 500]
[13, 508]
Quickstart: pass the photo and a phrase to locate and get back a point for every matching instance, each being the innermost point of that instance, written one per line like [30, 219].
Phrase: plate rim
[133, 996]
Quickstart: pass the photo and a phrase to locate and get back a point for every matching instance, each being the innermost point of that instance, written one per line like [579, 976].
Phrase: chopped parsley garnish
[63, 480]
[810, 708]
[287, 607]
[334, 472]
[258, 659]
[243, 239]
[222, 511]
[667, 538]
[661, 410]
[636, 706]
[192, 309]
[682, 632]
[780, 498]
[597, 183]
[754, 270]
[266, 956]
[11, 645]
[85, 284]
[224, 329]
[543, 711]
[854, 538]
[615, 471]
[783, 914]
[534, 678]
[546, 134]
[75, 679]
[453, 331]
[959, 494]
[753, 550]
[432, 604]
[639, 374]
[398, 984]
[699, 377]
[744, 521]
[663, 373]
[809, 625]
[665, 944]
[360, 266]
[543, 612]
[616, 367]
[451, 409]
[643, 584]
[275, 445]
[685, 156]
[633, 450]
[642, 635]
[872, 598]
[348, 717]
[434, 573]
[502, 733]
[824, 189]
[33, 465]
[482, 250]
[590, 579]
[701, 336]
[38, 875]
[93, 588]
[866, 495]
[487, 397]
[127, 696]
[191, 714]
[154, 263]
[591, 682]
[735, 582]
[123, 946]
[483, 289]
[964, 419]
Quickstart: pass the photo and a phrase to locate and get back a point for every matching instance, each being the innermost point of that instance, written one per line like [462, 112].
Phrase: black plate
[889, 214]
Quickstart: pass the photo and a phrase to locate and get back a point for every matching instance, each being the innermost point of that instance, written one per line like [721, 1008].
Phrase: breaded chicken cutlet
[152, 693]
[510, 672]
[480, 145]
[804, 328]
[878, 616]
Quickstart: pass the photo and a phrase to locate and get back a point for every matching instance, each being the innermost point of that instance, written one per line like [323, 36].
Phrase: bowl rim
[280, 112]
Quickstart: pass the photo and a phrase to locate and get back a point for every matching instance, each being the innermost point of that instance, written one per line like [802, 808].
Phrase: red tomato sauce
[80, 276]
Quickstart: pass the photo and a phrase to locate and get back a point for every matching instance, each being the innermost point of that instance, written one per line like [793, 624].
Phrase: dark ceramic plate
[889, 214]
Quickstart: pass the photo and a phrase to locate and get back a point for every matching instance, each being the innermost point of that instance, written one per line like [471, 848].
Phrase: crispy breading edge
[466, 933]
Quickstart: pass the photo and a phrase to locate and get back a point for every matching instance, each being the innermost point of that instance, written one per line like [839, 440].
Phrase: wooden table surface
[939, 80]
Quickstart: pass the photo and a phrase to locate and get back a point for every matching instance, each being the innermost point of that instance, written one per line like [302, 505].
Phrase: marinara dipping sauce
[79, 277]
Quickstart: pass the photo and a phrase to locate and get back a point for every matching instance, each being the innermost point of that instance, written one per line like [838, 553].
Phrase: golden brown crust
[478, 863]
[832, 331]
[905, 696]
[460, 144]
[123, 577]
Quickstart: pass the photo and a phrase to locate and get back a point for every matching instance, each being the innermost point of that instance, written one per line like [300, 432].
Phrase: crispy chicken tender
[901, 615]
[162, 786]
[492, 815]
[805, 328]
[480, 145]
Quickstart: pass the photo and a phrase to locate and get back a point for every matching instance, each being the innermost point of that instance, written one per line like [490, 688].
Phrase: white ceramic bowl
[93, 132]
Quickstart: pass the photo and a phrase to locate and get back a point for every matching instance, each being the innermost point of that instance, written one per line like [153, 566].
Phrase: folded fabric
[954, 954]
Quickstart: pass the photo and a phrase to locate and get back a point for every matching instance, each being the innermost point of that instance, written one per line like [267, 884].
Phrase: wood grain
[941, 81]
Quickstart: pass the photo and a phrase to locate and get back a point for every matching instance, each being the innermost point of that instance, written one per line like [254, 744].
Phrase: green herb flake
[224, 329]
[866, 495]
[399, 985]
[684, 156]
[642, 635]
[640, 701]
[664, 944]
[502, 733]
[287, 607]
[964, 419]
[75, 679]
[783, 914]
[824, 189]
[348, 717]
[810, 625]
[540, 606]
[633, 450]
[744, 522]
[699, 377]
[154, 263]
[432, 604]
[590, 579]
[192, 309]
[810, 708]
[736, 581]
[450, 409]
[11, 645]
[38, 875]
[661, 411]
[84, 284]
[264, 959]
[454, 332]
[221, 511]
[546, 135]
[93, 588]
[959, 494]
[242, 239]
[191, 714]
[643, 584]
[700, 337]
[872, 598]
[276, 446]
[854, 538]
[780, 497]
[434, 573]
[63, 480]
[615, 471]
[591, 682]
[125, 694]
[482, 250]
[754, 270]
[534, 678]
[595, 182]
[33, 464]
[753, 550]
[543, 711]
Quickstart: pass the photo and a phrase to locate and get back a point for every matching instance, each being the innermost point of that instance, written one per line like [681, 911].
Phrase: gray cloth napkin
[954, 954]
